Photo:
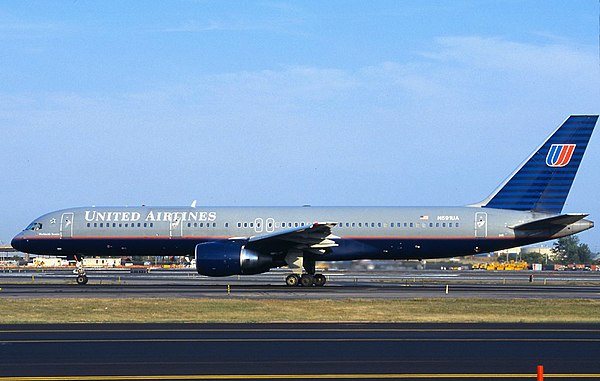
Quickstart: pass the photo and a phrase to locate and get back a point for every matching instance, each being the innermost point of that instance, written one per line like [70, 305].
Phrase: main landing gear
[305, 280]
[80, 271]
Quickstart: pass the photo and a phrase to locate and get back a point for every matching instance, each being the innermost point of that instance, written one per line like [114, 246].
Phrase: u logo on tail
[559, 155]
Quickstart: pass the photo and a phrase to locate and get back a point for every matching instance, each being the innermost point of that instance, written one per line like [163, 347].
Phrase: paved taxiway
[368, 285]
[299, 351]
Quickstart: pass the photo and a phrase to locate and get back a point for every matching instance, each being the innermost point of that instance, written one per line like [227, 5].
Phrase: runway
[298, 351]
[283, 292]
[341, 285]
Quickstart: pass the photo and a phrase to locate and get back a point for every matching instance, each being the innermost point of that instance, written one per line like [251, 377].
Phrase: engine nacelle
[230, 258]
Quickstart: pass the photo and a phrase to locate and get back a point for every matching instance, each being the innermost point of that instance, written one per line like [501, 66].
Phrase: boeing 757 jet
[525, 209]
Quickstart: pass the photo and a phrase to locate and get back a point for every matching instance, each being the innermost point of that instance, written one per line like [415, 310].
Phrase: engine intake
[230, 258]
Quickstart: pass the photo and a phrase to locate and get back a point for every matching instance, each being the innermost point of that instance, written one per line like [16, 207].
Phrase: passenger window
[437, 224]
[101, 224]
[88, 224]
[379, 224]
[145, 225]
[443, 224]
[411, 225]
[457, 224]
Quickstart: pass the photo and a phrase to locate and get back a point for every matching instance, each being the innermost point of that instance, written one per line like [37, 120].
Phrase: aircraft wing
[315, 238]
[550, 222]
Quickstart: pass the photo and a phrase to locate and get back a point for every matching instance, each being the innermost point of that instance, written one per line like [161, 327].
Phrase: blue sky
[286, 103]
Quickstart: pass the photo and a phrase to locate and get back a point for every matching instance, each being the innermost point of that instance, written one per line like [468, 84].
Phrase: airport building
[102, 262]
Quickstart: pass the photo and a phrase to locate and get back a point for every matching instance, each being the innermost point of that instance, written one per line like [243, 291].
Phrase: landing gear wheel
[82, 279]
[80, 271]
[307, 280]
[292, 280]
[320, 280]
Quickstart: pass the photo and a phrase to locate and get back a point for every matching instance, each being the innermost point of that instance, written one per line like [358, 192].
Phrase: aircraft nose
[16, 243]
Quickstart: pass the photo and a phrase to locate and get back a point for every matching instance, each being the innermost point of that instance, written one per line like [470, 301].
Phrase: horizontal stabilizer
[551, 222]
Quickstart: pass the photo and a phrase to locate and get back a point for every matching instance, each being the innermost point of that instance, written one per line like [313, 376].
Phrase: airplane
[525, 209]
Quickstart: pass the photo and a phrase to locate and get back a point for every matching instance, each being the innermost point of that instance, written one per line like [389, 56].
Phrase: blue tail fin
[543, 181]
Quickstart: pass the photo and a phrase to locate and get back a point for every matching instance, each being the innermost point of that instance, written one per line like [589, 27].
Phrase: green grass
[103, 310]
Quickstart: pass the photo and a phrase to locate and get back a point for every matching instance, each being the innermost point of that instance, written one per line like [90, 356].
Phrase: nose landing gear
[80, 271]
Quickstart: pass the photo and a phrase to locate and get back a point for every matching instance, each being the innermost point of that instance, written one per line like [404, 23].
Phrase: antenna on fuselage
[194, 203]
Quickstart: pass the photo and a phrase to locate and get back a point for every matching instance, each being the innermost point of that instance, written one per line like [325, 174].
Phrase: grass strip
[102, 310]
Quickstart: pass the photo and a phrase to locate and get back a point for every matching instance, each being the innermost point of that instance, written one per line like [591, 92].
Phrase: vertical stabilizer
[543, 181]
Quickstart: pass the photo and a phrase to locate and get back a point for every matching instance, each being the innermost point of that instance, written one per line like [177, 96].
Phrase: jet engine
[230, 258]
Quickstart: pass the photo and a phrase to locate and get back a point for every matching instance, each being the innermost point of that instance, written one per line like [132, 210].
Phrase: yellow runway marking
[398, 376]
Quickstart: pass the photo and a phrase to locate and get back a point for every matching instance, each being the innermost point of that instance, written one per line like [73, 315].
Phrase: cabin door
[176, 228]
[480, 224]
[66, 225]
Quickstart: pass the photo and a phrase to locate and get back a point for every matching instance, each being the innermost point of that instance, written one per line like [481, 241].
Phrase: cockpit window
[34, 226]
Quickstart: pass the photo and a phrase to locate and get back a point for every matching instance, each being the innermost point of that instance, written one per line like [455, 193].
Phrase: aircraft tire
[82, 279]
[320, 280]
[292, 280]
[307, 280]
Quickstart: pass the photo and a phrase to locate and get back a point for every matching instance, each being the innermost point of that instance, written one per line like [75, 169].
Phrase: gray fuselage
[364, 232]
